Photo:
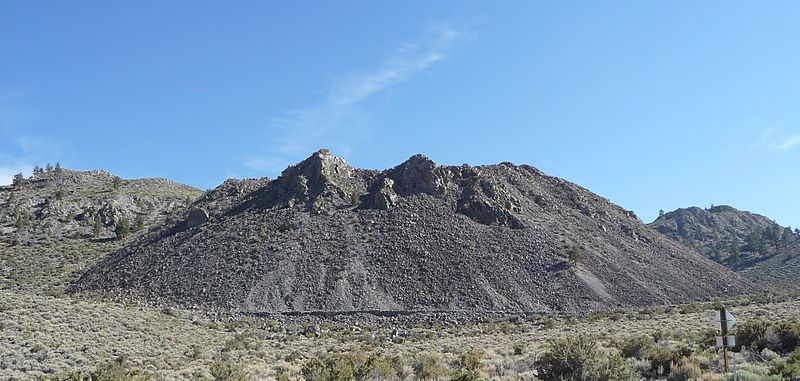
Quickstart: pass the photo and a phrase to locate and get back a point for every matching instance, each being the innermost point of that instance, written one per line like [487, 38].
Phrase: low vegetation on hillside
[57, 223]
[64, 338]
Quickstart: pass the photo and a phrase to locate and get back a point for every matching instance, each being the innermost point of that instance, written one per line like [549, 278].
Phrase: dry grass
[41, 336]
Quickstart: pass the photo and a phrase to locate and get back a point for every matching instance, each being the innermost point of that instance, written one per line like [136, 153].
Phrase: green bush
[225, 370]
[752, 334]
[685, 370]
[783, 337]
[662, 358]
[117, 370]
[615, 368]
[471, 366]
[635, 346]
[315, 370]
[123, 228]
[788, 367]
[428, 367]
[788, 333]
[346, 367]
[575, 256]
[578, 358]
[376, 367]
[342, 368]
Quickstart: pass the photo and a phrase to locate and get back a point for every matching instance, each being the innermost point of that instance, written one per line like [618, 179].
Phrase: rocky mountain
[419, 236]
[57, 223]
[747, 242]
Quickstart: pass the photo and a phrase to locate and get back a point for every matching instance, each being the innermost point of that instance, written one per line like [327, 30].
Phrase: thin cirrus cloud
[773, 140]
[789, 143]
[338, 120]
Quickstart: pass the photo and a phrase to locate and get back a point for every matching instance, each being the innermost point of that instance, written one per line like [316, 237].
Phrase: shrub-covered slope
[750, 243]
[58, 223]
[327, 236]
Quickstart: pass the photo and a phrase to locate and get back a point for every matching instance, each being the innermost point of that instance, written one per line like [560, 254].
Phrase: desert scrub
[636, 347]
[348, 366]
[579, 358]
[788, 367]
[662, 358]
[116, 370]
[686, 369]
[225, 370]
[429, 367]
[471, 364]
[781, 337]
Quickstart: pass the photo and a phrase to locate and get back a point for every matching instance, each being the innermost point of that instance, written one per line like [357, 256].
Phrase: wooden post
[724, 328]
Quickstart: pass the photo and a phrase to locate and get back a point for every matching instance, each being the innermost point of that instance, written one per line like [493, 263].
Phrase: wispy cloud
[789, 142]
[773, 140]
[338, 121]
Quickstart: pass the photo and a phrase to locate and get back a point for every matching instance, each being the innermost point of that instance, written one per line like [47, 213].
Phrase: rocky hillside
[726, 234]
[57, 223]
[744, 241]
[780, 271]
[327, 236]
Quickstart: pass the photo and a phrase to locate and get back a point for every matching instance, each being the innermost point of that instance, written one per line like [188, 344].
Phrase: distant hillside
[780, 271]
[419, 236]
[744, 241]
[59, 222]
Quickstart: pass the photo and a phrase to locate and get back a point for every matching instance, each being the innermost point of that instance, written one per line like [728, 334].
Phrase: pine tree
[19, 180]
[734, 247]
[123, 228]
[661, 212]
[735, 254]
[756, 242]
[139, 222]
[787, 236]
[98, 226]
[21, 217]
[116, 182]
[716, 254]
[57, 170]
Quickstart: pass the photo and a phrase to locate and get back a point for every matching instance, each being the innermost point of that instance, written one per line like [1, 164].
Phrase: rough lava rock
[424, 238]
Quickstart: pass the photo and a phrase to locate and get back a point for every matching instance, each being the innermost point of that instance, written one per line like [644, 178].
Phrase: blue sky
[655, 105]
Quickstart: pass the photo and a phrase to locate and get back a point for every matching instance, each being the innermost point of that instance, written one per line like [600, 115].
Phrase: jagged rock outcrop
[320, 183]
[385, 197]
[326, 236]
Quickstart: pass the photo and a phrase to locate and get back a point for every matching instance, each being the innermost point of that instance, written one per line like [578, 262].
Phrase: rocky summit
[325, 236]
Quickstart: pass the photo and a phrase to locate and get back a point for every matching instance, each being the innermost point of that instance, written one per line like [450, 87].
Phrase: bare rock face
[385, 197]
[418, 236]
[490, 203]
[419, 174]
[322, 183]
